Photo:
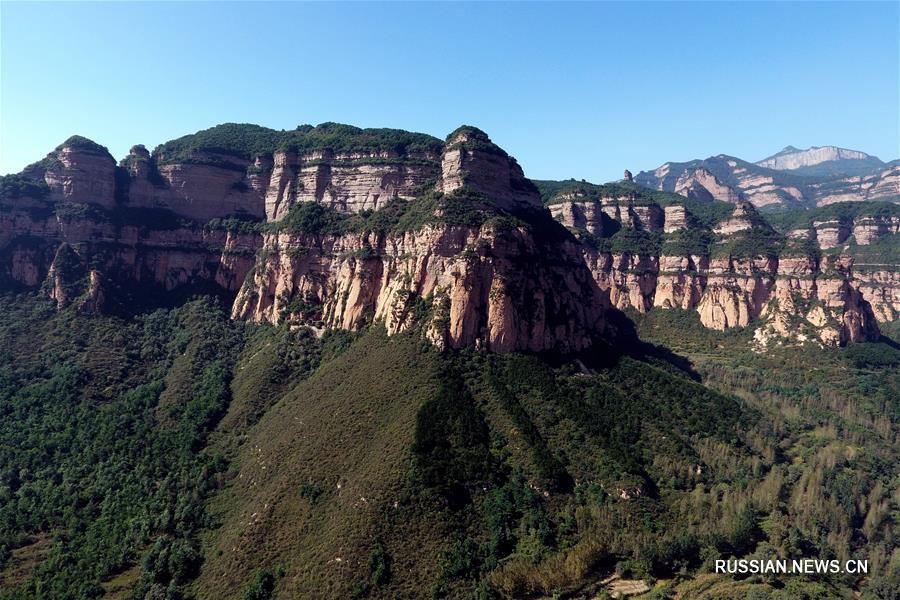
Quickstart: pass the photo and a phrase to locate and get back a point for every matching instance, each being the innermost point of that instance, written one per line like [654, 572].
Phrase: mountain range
[336, 362]
[792, 178]
[338, 226]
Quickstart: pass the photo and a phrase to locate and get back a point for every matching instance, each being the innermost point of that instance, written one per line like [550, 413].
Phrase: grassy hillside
[103, 423]
[463, 470]
[829, 427]
[177, 454]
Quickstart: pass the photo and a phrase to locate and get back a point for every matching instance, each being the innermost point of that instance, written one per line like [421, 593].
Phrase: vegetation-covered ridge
[840, 212]
[473, 139]
[248, 141]
[84, 144]
[461, 207]
[706, 213]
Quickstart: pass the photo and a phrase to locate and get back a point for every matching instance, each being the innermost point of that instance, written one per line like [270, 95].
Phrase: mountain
[653, 250]
[822, 160]
[337, 362]
[336, 226]
[789, 179]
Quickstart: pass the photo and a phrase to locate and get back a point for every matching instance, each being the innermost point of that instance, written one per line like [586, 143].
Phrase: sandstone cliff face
[864, 230]
[483, 287]
[132, 254]
[509, 284]
[700, 184]
[806, 305]
[496, 286]
[880, 287]
[605, 215]
[210, 185]
[675, 218]
[743, 218]
[788, 298]
[470, 159]
[787, 303]
[75, 173]
[628, 281]
[350, 182]
[881, 184]
[734, 181]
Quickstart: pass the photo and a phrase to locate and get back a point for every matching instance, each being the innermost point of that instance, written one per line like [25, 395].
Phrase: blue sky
[571, 90]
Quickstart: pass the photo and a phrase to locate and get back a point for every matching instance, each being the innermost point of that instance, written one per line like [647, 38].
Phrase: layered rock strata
[79, 226]
[797, 298]
[482, 287]
[350, 182]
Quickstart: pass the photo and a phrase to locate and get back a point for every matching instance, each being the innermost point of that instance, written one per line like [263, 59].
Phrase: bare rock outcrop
[793, 158]
[484, 287]
[471, 160]
[675, 218]
[510, 279]
[743, 218]
[349, 182]
[787, 298]
[700, 184]
[766, 183]
[78, 171]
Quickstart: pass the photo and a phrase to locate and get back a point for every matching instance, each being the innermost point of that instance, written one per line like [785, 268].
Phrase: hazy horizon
[554, 85]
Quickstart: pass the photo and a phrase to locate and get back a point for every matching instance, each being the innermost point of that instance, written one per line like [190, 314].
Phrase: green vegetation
[635, 241]
[687, 242]
[477, 140]
[101, 441]
[840, 212]
[750, 243]
[246, 141]
[262, 587]
[236, 224]
[125, 216]
[551, 191]
[83, 144]
[19, 186]
[695, 239]
[461, 207]
[881, 252]
[179, 454]
[707, 214]
[828, 418]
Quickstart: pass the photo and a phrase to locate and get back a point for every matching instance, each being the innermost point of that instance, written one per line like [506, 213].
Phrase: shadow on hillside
[622, 340]
[130, 300]
[626, 342]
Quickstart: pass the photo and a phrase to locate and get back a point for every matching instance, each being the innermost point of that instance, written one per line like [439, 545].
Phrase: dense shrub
[451, 444]
[247, 141]
[18, 186]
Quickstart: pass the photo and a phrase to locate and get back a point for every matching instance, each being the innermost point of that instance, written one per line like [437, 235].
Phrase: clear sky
[571, 90]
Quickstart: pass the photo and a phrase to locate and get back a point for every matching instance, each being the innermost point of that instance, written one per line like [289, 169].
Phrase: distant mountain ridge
[791, 178]
[791, 158]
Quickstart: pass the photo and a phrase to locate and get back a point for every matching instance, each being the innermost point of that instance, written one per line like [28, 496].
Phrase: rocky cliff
[486, 267]
[792, 159]
[336, 226]
[381, 228]
[735, 270]
[349, 182]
